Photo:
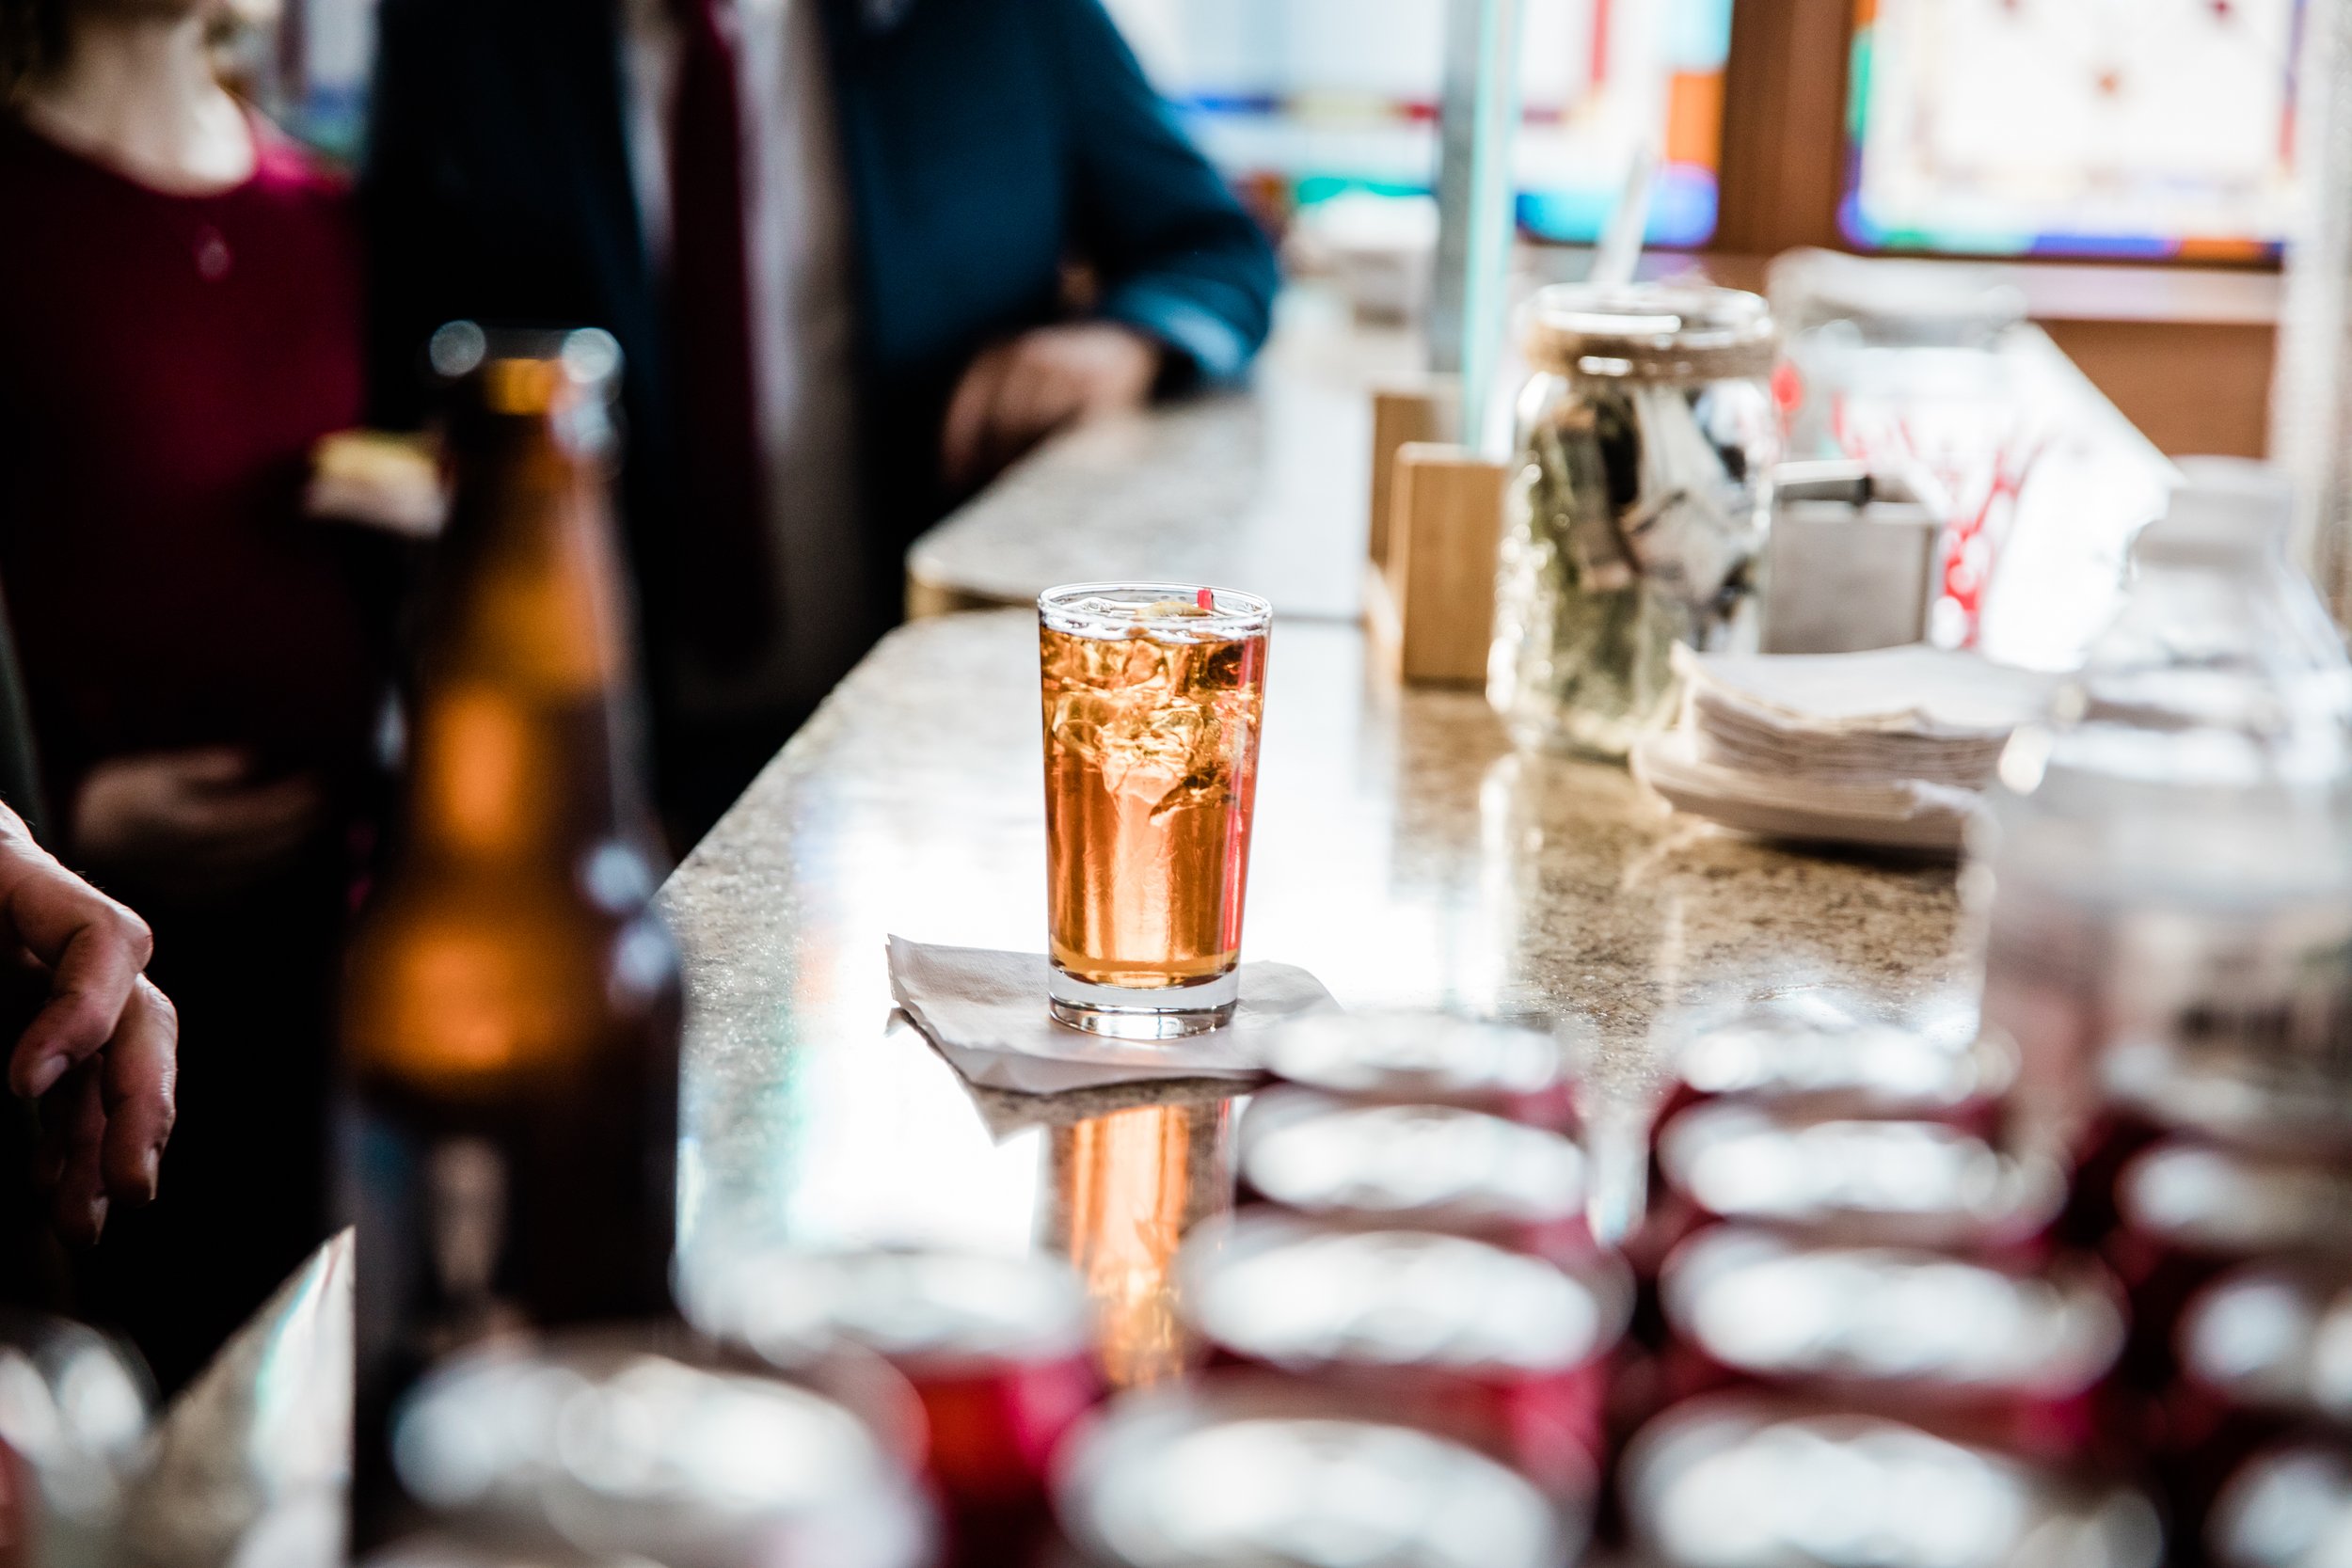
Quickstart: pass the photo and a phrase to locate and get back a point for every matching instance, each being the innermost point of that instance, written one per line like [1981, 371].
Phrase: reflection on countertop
[1127, 1188]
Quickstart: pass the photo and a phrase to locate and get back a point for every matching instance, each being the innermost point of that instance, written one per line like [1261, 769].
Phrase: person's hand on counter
[96, 1043]
[1022, 391]
[380, 480]
[193, 822]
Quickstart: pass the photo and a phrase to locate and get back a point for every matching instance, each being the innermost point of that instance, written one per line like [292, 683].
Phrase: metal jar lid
[1301, 1295]
[2202, 1197]
[1919, 1183]
[925, 1310]
[1924, 1321]
[2287, 1507]
[1747, 1482]
[1416, 1057]
[1650, 332]
[1435, 1165]
[1802, 1049]
[2269, 1339]
[594, 1443]
[1187, 1479]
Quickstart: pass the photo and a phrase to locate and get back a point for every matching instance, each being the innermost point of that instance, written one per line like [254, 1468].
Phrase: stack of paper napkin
[1889, 748]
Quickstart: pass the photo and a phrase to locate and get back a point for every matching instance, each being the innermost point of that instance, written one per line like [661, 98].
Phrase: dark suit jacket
[983, 142]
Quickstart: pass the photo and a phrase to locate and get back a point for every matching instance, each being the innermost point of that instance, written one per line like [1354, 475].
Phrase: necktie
[730, 610]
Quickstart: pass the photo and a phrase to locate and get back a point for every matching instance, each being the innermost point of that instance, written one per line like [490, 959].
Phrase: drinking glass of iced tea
[1152, 696]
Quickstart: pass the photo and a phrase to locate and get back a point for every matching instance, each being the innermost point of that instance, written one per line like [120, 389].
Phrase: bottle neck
[522, 744]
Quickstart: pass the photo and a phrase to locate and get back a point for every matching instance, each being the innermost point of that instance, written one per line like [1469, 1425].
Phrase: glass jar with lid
[1636, 521]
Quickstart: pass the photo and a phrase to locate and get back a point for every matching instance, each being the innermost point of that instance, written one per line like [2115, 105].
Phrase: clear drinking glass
[1152, 696]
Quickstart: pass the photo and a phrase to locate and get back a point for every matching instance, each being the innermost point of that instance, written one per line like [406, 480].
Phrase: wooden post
[1431, 608]
[1399, 415]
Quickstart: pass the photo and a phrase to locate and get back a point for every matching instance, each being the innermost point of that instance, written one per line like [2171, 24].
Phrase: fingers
[1041, 392]
[105, 1125]
[236, 822]
[204, 766]
[964, 434]
[1127, 367]
[1011, 396]
[94, 949]
[220, 856]
[1018, 393]
[140, 1087]
[78, 1208]
[104, 1122]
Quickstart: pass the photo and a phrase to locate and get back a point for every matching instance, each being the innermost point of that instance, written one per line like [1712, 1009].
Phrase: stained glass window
[2084, 127]
[1329, 95]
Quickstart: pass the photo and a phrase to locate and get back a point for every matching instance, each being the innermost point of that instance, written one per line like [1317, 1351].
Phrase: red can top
[1919, 1183]
[1737, 1482]
[2271, 1339]
[2287, 1507]
[1926, 1322]
[2244, 1087]
[1238, 1474]
[1301, 1295]
[1439, 1166]
[1419, 1057]
[607, 1442]
[2202, 1197]
[1813, 1051]
[926, 1311]
[440, 1550]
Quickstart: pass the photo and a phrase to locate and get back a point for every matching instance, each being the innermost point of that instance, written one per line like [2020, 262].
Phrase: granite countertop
[1404, 853]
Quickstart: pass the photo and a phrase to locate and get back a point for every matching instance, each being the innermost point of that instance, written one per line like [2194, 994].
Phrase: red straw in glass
[1207, 598]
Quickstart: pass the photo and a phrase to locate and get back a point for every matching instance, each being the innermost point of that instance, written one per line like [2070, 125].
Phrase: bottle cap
[2230, 507]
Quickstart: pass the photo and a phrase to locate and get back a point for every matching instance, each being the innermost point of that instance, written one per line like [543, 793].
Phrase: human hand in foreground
[1022, 391]
[190, 822]
[378, 479]
[95, 1043]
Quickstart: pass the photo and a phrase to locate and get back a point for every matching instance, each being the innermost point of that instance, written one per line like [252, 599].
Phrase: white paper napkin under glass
[985, 1011]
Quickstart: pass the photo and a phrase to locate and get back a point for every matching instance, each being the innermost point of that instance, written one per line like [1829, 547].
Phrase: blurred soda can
[441, 1550]
[2217, 1096]
[2264, 1352]
[1898, 1182]
[1808, 1054]
[2187, 1208]
[2021, 1358]
[1750, 1481]
[2239, 1084]
[1429, 1059]
[1433, 1168]
[1242, 1473]
[1000, 1350]
[2270, 1338]
[596, 1444]
[1506, 1350]
[2287, 1507]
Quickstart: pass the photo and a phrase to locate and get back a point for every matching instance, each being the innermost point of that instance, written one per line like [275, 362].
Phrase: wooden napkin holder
[1437, 518]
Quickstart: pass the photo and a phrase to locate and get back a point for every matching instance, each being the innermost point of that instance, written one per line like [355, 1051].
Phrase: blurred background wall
[2130, 158]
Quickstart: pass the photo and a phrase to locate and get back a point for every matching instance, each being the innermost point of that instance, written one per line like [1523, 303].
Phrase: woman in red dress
[180, 323]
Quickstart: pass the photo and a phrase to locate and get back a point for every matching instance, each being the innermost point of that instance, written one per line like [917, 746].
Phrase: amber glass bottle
[511, 1008]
